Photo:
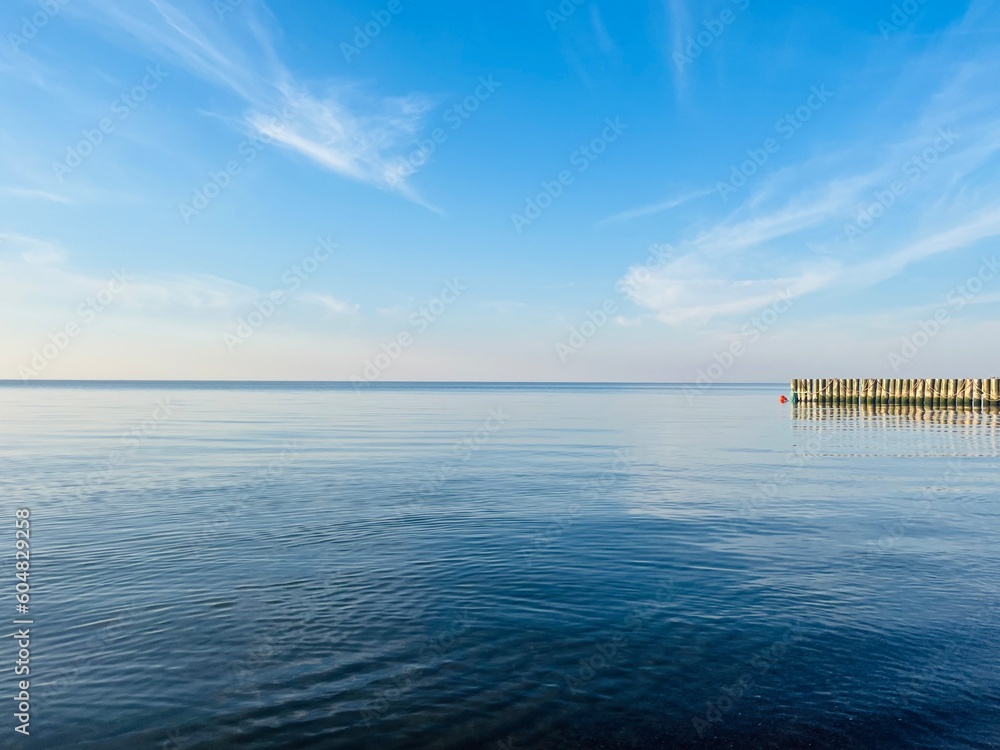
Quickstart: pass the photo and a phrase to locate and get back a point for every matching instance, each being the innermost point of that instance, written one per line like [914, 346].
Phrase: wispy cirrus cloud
[967, 231]
[586, 44]
[788, 234]
[604, 41]
[651, 209]
[31, 250]
[32, 194]
[685, 292]
[334, 125]
[331, 305]
[34, 276]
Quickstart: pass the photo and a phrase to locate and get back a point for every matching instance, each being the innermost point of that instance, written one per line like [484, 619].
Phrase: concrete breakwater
[937, 393]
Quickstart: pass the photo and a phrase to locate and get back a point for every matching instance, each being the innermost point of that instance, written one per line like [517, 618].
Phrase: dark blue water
[449, 566]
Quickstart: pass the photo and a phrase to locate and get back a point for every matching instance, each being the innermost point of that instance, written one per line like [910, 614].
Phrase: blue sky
[661, 191]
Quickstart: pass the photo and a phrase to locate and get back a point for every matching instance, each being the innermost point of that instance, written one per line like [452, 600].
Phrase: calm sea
[499, 567]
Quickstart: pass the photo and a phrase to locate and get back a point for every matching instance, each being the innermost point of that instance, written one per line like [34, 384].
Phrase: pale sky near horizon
[735, 190]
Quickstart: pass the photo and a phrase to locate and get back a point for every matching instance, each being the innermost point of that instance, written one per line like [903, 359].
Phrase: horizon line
[362, 384]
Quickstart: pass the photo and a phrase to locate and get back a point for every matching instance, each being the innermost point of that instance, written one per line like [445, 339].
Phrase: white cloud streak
[337, 130]
[31, 194]
[773, 243]
[654, 208]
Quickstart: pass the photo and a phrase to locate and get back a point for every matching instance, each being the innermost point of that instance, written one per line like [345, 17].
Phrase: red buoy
[782, 400]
